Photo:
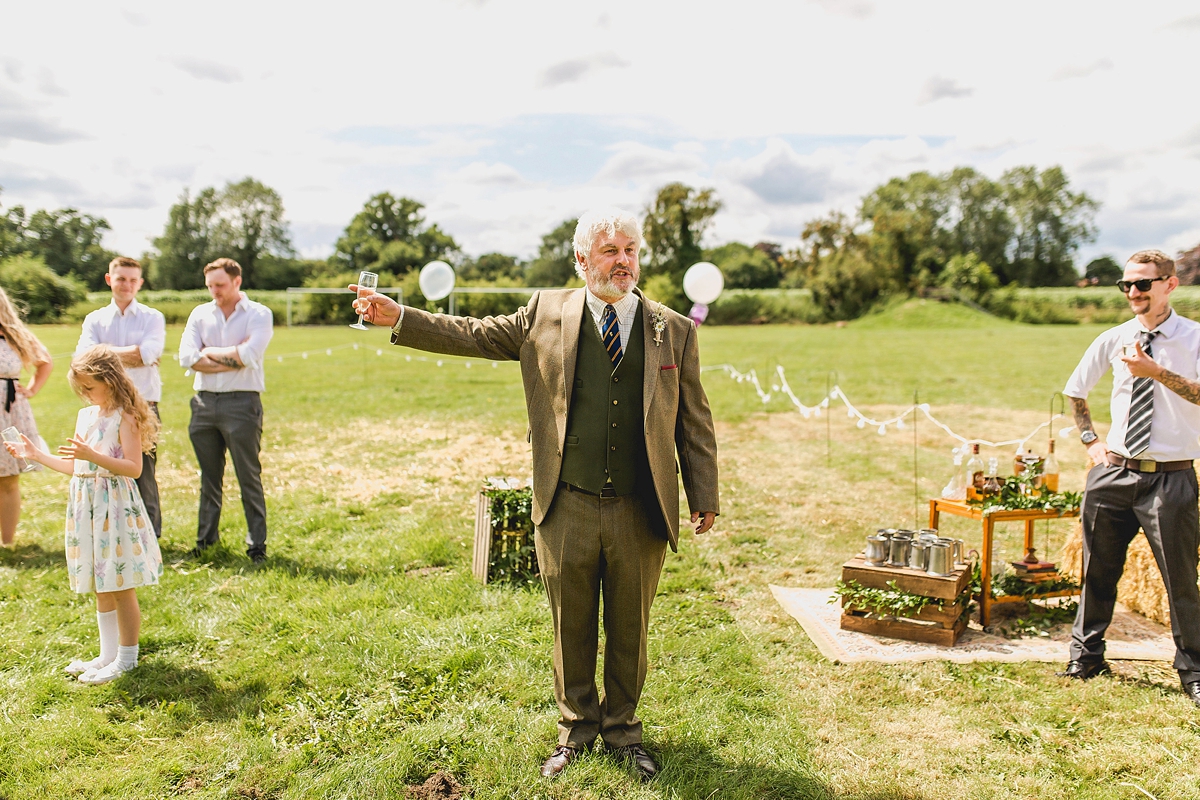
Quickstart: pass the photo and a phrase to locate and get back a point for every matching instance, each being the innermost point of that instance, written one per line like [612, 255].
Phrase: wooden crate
[908, 580]
[932, 624]
[900, 628]
[488, 540]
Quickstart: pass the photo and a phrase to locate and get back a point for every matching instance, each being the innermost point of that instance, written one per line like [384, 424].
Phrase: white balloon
[436, 280]
[703, 282]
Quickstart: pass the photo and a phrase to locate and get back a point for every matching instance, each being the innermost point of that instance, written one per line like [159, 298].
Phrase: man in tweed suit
[612, 388]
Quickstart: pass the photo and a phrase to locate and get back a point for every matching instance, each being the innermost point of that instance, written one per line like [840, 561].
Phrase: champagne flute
[367, 283]
[11, 434]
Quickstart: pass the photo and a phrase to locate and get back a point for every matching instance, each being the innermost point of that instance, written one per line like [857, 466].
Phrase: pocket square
[667, 366]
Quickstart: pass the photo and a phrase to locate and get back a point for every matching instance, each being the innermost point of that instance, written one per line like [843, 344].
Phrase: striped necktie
[1141, 405]
[610, 332]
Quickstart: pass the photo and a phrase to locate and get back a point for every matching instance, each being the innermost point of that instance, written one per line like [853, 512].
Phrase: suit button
[614, 402]
[616, 380]
[614, 447]
[614, 424]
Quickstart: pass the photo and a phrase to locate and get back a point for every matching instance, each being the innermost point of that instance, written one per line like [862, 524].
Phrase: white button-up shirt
[249, 328]
[1175, 424]
[138, 325]
[626, 309]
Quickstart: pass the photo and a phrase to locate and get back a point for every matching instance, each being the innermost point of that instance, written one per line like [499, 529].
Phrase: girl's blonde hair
[20, 338]
[104, 366]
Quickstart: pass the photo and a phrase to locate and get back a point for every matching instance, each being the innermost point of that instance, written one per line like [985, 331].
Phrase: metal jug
[878, 549]
[918, 555]
[898, 552]
[941, 559]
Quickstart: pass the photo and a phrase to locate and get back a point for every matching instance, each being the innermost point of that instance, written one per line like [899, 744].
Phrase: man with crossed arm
[1144, 476]
[224, 343]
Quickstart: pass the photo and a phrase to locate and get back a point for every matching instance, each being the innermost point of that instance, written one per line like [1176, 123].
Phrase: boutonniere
[660, 323]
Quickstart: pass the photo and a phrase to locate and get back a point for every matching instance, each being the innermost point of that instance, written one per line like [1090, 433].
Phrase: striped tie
[610, 332]
[1141, 406]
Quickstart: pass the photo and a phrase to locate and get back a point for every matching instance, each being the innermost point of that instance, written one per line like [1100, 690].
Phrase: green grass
[362, 657]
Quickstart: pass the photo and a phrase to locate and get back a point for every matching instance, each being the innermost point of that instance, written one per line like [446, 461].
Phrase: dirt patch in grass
[438, 786]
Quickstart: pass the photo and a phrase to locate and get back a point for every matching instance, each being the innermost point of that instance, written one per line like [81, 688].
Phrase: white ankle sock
[126, 660]
[127, 656]
[109, 637]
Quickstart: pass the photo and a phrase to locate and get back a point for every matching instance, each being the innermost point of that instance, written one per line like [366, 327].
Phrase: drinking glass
[367, 283]
[11, 434]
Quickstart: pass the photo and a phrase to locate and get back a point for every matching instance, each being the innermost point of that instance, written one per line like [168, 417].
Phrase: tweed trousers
[588, 548]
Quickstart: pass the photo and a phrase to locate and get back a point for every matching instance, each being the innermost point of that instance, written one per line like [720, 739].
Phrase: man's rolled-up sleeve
[155, 340]
[190, 344]
[260, 330]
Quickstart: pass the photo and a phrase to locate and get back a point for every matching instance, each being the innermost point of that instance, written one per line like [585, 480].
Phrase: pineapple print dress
[110, 544]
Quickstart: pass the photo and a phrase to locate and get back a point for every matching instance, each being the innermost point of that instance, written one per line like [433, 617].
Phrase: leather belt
[1143, 465]
[100, 473]
[607, 491]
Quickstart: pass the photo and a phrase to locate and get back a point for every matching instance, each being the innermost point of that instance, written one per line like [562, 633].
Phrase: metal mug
[878, 549]
[941, 559]
[928, 535]
[918, 555]
[898, 552]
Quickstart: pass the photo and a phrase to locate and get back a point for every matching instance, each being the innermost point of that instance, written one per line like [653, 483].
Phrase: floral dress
[110, 544]
[14, 408]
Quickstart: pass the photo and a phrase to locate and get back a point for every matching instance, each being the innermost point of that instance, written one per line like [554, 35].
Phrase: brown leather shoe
[558, 760]
[641, 761]
[1085, 670]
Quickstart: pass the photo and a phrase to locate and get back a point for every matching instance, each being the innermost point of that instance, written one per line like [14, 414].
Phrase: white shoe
[105, 674]
[78, 666]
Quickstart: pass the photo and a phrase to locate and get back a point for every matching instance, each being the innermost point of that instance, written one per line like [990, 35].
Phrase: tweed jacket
[544, 337]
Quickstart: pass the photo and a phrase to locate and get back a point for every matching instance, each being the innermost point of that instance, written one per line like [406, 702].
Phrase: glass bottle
[956, 489]
[974, 475]
[991, 483]
[1050, 470]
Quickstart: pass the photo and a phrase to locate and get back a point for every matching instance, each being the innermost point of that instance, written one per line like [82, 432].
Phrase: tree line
[959, 231]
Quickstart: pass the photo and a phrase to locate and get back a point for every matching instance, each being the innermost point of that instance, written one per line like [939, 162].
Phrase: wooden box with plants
[504, 550]
[902, 603]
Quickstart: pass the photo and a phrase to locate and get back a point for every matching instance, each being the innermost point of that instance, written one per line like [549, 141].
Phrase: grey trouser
[588, 545]
[148, 485]
[1116, 502]
[233, 421]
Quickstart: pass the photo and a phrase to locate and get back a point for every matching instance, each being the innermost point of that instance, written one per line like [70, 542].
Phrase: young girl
[110, 545]
[18, 348]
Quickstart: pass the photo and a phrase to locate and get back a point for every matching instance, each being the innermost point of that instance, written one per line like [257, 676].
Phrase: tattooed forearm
[1083, 416]
[1188, 390]
[228, 361]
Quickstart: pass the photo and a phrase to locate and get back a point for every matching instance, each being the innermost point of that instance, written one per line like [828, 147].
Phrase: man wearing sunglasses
[1144, 477]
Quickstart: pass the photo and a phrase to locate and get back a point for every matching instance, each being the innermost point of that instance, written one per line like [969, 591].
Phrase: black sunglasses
[1142, 286]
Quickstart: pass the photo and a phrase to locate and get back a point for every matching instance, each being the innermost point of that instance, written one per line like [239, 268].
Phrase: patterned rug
[1130, 637]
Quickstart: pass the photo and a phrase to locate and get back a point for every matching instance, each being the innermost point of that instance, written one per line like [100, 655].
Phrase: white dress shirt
[1175, 424]
[249, 328]
[626, 309]
[138, 325]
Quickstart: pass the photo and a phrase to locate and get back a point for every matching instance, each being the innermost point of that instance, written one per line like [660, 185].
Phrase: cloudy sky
[505, 117]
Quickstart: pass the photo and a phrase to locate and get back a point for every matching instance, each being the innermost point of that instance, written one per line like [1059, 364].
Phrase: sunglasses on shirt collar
[1142, 286]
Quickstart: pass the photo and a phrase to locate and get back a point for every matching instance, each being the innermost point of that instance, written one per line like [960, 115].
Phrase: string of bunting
[881, 425]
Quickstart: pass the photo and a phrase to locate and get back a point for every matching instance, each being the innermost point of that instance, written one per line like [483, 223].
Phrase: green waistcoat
[606, 437]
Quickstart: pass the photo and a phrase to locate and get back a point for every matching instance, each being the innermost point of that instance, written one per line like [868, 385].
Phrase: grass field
[361, 658]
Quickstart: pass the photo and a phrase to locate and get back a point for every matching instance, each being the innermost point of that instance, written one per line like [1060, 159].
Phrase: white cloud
[1083, 71]
[939, 88]
[207, 70]
[576, 69]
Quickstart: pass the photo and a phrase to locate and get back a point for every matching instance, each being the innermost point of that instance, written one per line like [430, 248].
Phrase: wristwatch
[1087, 437]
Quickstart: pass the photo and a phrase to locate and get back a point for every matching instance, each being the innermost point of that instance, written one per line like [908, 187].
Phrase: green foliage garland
[1020, 492]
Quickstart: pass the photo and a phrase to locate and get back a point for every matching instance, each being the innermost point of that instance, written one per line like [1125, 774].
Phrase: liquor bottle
[975, 475]
[1050, 470]
[956, 489]
[991, 483]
